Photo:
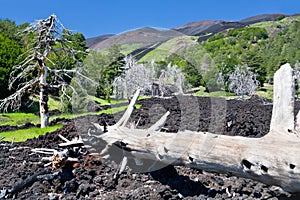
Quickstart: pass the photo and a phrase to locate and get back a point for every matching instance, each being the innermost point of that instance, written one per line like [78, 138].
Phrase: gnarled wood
[273, 159]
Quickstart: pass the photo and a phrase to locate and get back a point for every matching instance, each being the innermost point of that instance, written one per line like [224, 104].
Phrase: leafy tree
[225, 69]
[113, 69]
[192, 75]
[9, 53]
[9, 29]
[282, 48]
[254, 60]
[211, 80]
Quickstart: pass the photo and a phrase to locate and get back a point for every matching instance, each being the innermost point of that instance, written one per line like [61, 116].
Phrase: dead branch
[14, 101]
[273, 159]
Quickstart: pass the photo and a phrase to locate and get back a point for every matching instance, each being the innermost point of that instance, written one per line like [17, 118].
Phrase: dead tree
[273, 159]
[38, 68]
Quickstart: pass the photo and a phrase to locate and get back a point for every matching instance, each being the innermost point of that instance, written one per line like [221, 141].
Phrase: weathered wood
[63, 138]
[283, 100]
[273, 159]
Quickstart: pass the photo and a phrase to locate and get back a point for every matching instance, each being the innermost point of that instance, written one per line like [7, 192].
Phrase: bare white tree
[242, 81]
[136, 76]
[171, 79]
[38, 70]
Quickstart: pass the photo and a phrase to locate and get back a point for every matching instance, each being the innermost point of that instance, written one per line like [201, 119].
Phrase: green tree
[253, 59]
[282, 48]
[9, 53]
[191, 73]
[113, 69]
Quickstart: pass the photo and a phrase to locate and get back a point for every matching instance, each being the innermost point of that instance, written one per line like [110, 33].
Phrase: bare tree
[242, 81]
[136, 76]
[40, 69]
[171, 79]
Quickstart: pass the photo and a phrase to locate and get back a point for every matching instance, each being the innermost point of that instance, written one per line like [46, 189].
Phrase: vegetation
[24, 134]
[208, 65]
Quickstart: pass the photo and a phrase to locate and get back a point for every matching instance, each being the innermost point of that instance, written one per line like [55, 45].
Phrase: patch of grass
[169, 47]
[24, 134]
[103, 102]
[223, 94]
[266, 91]
[14, 119]
[112, 110]
[54, 103]
[128, 48]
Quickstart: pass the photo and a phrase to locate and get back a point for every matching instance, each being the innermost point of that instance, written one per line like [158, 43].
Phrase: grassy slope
[169, 47]
[125, 48]
[274, 26]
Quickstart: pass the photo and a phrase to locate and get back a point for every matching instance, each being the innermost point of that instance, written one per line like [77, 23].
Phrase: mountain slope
[142, 42]
[150, 36]
[145, 36]
[90, 42]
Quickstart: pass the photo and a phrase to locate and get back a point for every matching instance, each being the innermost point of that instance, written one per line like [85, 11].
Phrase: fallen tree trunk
[273, 159]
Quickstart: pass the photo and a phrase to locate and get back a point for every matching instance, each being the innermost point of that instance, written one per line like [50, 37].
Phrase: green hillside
[170, 47]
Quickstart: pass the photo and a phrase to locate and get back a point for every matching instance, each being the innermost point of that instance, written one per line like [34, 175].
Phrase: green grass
[266, 91]
[14, 119]
[18, 118]
[54, 103]
[103, 102]
[128, 48]
[223, 94]
[24, 134]
[169, 47]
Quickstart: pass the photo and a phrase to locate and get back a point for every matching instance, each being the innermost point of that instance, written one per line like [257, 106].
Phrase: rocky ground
[93, 178]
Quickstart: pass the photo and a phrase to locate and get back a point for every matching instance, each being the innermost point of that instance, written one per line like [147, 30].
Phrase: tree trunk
[273, 159]
[44, 115]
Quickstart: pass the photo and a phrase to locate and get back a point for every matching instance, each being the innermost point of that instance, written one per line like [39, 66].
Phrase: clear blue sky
[96, 17]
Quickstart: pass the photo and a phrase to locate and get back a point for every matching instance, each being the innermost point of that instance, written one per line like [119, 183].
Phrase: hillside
[149, 36]
[143, 41]
[145, 36]
[90, 42]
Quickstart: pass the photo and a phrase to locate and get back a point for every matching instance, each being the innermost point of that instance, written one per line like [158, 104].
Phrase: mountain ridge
[141, 41]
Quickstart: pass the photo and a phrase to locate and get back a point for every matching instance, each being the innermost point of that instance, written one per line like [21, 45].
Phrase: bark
[44, 113]
[273, 159]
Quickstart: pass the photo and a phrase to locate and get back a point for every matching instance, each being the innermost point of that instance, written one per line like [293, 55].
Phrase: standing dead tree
[242, 81]
[136, 76]
[273, 159]
[39, 70]
[171, 79]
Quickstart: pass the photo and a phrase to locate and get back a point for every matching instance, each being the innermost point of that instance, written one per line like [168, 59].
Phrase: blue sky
[96, 17]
